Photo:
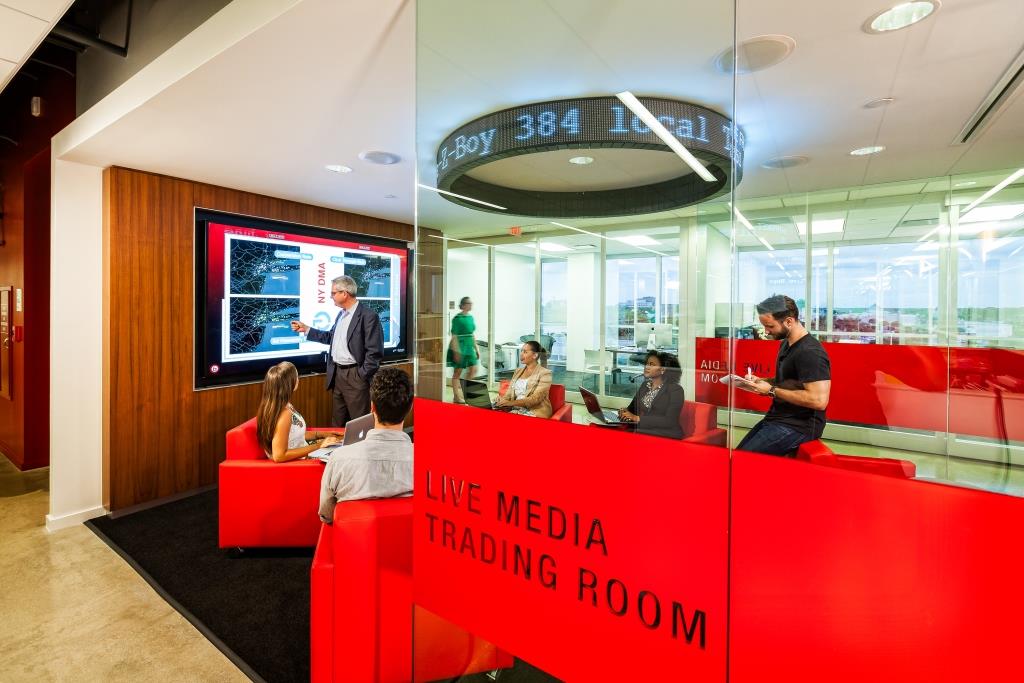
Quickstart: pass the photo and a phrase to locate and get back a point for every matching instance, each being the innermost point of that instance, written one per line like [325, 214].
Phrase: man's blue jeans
[773, 438]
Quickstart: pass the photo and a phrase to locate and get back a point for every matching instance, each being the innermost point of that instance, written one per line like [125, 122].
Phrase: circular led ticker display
[590, 123]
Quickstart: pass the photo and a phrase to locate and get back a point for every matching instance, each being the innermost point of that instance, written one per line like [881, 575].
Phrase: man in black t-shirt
[800, 388]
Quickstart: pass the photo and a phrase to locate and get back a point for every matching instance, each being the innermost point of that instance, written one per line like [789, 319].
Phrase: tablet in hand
[738, 382]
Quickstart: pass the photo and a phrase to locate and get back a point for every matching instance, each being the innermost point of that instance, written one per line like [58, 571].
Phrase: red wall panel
[892, 386]
[662, 507]
[842, 576]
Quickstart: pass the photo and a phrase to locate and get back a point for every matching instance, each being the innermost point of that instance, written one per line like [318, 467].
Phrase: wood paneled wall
[430, 314]
[161, 436]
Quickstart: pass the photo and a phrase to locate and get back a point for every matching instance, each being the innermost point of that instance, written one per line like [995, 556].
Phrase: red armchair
[818, 453]
[361, 609]
[700, 422]
[560, 410]
[265, 503]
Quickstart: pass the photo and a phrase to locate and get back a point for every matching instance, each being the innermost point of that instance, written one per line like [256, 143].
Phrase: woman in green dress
[462, 354]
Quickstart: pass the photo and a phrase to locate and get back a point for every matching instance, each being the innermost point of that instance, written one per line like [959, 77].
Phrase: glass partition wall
[903, 252]
[563, 217]
[905, 257]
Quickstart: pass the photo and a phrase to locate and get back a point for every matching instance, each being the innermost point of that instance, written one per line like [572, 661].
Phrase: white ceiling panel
[6, 69]
[19, 33]
[811, 104]
[46, 10]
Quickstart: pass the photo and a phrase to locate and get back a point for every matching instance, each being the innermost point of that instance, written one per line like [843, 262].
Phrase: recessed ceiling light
[756, 54]
[864, 151]
[785, 162]
[581, 161]
[338, 168]
[383, 158]
[551, 246]
[880, 102]
[823, 226]
[966, 183]
[637, 241]
[901, 16]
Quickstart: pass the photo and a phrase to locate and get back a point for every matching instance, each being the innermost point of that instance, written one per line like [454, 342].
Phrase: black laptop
[475, 394]
[602, 415]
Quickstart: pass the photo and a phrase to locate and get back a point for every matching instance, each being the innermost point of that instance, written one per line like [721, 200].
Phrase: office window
[990, 291]
[886, 293]
[762, 274]
[631, 297]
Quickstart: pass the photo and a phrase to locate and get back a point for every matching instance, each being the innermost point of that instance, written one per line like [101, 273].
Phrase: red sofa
[560, 410]
[361, 609]
[265, 503]
[818, 453]
[700, 422]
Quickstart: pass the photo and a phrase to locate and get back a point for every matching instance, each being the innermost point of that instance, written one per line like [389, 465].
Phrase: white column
[76, 345]
[583, 285]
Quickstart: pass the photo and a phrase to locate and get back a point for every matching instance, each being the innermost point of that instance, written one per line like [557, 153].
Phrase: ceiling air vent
[996, 99]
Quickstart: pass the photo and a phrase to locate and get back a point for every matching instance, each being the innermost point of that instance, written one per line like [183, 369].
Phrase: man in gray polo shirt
[380, 466]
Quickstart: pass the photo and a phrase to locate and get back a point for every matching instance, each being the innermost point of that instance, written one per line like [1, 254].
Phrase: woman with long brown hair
[280, 429]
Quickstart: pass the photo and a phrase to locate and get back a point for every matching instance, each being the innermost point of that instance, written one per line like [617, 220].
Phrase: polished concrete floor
[72, 610]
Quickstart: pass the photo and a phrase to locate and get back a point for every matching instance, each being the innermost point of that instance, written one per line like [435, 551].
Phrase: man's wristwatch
[771, 391]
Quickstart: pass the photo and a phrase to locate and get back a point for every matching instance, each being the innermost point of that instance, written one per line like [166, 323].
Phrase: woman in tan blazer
[527, 392]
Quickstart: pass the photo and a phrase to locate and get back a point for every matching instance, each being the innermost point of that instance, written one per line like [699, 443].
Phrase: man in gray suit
[357, 346]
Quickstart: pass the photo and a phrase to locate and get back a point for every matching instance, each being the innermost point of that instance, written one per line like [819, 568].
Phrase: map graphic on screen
[262, 324]
[258, 276]
[263, 267]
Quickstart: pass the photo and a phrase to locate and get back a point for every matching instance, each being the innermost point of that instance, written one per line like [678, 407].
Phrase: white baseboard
[73, 519]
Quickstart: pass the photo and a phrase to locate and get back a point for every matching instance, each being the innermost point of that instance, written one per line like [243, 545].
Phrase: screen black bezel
[248, 372]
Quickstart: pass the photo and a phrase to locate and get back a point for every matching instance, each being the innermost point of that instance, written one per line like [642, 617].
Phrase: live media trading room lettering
[557, 524]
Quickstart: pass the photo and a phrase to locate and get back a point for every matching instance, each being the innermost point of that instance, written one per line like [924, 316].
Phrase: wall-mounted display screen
[255, 276]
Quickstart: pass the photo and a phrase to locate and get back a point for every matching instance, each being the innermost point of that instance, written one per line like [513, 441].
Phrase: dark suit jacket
[365, 342]
[663, 417]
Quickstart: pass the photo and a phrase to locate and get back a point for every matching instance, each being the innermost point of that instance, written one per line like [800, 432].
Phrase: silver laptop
[355, 430]
[602, 415]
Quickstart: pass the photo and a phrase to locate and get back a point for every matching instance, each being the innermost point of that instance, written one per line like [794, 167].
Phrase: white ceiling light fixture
[821, 226]
[864, 151]
[879, 102]
[637, 241]
[338, 168]
[603, 237]
[743, 219]
[1000, 212]
[581, 161]
[785, 162]
[554, 248]
[966, 183]
[378, 157]
[1006, 181]
[901, 16]
[460, 196]
[755, 54]
[455, 239]
[644, 114]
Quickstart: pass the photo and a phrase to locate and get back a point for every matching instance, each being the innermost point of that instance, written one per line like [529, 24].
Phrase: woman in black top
[659, 400]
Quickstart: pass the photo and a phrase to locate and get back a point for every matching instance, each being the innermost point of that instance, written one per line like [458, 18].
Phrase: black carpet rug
[253, 605]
